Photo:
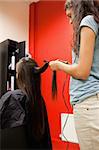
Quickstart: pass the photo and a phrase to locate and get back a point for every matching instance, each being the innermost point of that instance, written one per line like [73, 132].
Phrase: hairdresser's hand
[54, 65]
[57, 64]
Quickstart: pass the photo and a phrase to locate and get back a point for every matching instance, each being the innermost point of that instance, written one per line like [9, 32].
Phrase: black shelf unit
[7, 49]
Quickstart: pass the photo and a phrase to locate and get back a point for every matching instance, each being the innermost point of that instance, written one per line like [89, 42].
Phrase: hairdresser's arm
[82, 69]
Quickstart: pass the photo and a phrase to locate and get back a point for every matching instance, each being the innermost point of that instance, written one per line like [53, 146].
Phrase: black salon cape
[13, 123]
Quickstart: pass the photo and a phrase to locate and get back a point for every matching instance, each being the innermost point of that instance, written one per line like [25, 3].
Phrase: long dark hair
[82, 8]
[29, 82]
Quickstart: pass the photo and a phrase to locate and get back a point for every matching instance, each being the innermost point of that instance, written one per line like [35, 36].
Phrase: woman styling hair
[84, 71]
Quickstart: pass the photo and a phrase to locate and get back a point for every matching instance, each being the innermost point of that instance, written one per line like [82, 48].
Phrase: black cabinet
[8, 48]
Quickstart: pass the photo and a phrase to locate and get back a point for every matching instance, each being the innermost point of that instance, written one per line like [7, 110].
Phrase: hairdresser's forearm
[75, 70]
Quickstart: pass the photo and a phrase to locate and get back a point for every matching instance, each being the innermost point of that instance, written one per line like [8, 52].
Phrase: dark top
[14, 123]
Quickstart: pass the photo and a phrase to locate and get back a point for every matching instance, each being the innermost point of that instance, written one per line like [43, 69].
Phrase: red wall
[50, 38]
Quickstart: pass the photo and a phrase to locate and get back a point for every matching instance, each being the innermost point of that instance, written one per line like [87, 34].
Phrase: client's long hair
[29, 81]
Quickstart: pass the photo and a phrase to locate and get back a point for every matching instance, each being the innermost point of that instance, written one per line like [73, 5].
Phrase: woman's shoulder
[90, 22]
[89, 18]
[16, 94]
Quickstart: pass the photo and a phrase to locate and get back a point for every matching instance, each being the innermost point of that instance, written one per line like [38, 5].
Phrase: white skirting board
[68, 132]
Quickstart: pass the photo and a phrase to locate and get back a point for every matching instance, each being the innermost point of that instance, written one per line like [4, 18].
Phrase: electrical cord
[54, 89]
[66, 62]
[67, 147]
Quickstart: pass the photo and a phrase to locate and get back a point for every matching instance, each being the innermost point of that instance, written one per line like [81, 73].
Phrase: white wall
[14, 21]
